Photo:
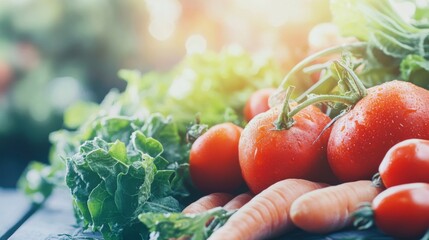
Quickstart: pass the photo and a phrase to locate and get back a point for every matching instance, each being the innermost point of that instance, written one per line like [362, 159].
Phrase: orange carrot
[329, 209]
[267, 214]
[208, 202]
[238, 201]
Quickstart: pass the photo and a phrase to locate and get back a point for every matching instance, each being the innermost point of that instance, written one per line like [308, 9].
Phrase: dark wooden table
[22, 220]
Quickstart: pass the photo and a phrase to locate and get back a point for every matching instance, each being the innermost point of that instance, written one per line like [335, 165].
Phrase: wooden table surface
[22, 220]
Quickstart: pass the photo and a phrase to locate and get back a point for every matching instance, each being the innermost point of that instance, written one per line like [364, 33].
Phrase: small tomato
[403, 211]
[268, 155]
[406, 162]
[213, 160]
[257, 103]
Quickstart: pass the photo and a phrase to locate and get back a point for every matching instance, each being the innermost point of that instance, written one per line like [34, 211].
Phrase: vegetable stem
[284, 120]
[355, 81]
[377, 181]
[356, 91]
[325, 80]
[358, 46]
[348, 100]
[363, 217]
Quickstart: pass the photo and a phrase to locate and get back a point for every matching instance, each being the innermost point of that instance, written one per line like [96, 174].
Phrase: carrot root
[208, 202]
[238, 201]
[267, 214]
[329, 209]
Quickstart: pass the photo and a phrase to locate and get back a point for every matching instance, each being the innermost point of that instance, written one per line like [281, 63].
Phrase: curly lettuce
[127, 156]
[123, 172]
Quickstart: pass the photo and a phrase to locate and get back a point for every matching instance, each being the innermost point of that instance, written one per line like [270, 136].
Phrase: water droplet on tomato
[410, 110]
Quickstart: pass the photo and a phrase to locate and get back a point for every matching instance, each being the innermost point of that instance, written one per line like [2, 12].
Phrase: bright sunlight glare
[182, 85]
[161, 29]
[164, 15]
[195, 44]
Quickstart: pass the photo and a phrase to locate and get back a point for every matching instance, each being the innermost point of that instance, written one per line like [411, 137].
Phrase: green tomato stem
[323, 82]
[355, 81]
[358, 91]
[337, 49]
[377, 181]
[355, 89]
[347, 100]
[363, 217]
[316, 67]
[284, 121]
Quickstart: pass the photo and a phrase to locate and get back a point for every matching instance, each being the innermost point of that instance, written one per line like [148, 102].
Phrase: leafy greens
[388, 46]
[112, 182]
[193, 226]
[400, 45]
[214, 85]
[127, 156]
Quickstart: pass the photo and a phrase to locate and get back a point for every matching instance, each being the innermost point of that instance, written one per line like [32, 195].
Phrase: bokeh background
[54, 53]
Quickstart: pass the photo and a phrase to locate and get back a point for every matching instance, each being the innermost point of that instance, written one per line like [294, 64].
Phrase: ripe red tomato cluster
[214, 157]
[353, 148]
[402, 210]
[390, 123]
[390, 113]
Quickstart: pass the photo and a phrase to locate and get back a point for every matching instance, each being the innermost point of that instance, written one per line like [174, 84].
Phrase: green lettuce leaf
[212, 85]
[377, 23]
[191, 226]
[37, 181]
[209, 84]
[112, 182]
[415, 69]
[387, 40]
[78, 113]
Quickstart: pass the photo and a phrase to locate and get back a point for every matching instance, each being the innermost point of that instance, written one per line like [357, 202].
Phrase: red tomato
[257, 103]
[406, 162]
[267, 155]
[390, 113]
[403, 211]
[213, 159]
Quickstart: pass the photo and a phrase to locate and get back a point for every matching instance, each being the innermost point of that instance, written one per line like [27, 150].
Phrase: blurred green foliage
[52, 54]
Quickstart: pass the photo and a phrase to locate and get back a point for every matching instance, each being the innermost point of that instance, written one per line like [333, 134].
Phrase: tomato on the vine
[406, 162]
[389, 113]
[268, 155]
[213, 160]
[403, 211]
[257, 103]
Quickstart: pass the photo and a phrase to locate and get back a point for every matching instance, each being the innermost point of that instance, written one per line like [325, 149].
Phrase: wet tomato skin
[257, 103]
[406, 162]
[390, 113]
[268, 155]
[213, 159]
[403, 211]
